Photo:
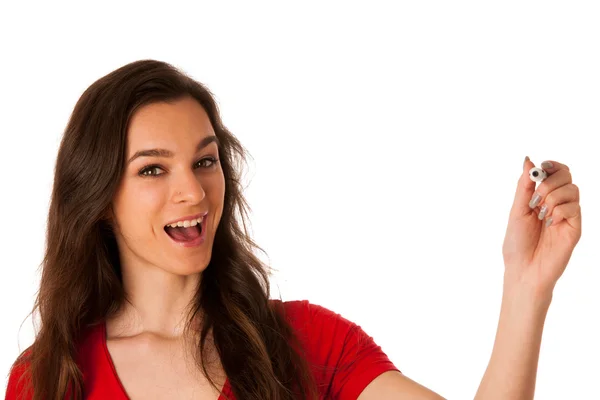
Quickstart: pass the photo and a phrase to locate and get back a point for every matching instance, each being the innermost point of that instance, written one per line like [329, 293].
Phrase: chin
[187, 269]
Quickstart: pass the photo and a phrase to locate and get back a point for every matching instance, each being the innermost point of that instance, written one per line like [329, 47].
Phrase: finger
[565, 194]
[525, 190]
[570, 212]
[551, 166]
[558, 179]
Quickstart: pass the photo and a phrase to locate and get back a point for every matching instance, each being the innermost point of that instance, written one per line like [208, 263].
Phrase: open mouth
[181, 234]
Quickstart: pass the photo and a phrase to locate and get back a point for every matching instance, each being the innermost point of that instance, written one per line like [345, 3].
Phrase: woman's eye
[212, 162]
[205, 163]
[144, 171]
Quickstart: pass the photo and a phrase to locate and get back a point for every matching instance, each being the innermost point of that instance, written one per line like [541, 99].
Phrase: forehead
[168, 124]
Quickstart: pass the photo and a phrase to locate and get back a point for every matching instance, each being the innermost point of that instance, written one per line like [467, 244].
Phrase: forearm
[511, 372]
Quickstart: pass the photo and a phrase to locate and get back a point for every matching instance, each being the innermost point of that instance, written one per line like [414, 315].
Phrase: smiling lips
[188, 231]
[188, 219]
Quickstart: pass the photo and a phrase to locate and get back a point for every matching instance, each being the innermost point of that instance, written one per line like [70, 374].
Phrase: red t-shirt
[329, 340]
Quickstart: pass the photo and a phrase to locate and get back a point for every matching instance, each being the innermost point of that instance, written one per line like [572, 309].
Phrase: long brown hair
[81, 274]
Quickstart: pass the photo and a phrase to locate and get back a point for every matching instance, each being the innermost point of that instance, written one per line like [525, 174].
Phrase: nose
[188, 189]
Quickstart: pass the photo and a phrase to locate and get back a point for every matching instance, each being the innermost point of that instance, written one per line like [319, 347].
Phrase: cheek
[145, 206]
[136, 208]
[147, 199]
[216, 195]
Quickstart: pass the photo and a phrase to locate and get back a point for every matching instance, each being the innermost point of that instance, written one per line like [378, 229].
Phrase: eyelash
[143, 171]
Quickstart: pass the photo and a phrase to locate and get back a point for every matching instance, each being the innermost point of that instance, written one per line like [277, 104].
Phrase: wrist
[527, 296]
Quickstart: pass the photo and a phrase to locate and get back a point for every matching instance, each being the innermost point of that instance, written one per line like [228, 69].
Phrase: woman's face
[177, 180]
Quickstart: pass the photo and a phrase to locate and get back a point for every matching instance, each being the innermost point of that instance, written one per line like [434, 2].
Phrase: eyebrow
[168, 153]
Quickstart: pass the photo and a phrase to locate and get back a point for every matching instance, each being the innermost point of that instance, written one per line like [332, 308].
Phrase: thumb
[525, 190]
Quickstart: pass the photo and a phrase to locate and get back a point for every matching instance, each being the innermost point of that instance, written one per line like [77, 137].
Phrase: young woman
[151, 290]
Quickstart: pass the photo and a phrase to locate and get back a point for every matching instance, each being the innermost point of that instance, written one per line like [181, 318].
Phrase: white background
[387, 140]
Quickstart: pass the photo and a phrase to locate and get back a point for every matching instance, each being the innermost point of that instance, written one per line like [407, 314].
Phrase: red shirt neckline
[115, 376]
[344, 359]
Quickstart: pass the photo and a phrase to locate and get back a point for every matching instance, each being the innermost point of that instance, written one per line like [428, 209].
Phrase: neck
[157, 302]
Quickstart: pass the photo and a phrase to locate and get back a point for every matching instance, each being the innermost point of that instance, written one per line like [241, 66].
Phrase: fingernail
[548, 222]
[535, 200]
[547, 165]
[525, 162]
[543, 211]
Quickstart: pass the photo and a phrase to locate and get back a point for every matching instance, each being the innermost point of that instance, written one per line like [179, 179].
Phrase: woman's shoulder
[307, 309]
[315, 324]
[302, 312]
[18, 379]
[89, 354]
[344, 356]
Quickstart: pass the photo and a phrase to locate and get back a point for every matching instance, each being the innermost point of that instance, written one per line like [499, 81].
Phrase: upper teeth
[186, 224]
